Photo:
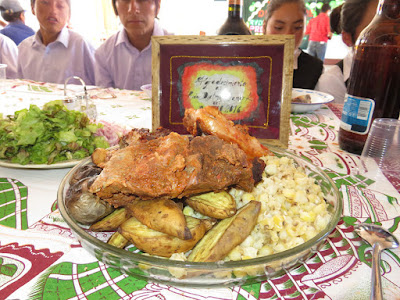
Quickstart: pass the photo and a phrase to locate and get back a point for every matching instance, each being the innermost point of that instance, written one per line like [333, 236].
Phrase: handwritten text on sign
[232, 88]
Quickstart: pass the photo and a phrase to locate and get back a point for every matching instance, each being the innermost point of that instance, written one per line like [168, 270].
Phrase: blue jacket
[17, 31]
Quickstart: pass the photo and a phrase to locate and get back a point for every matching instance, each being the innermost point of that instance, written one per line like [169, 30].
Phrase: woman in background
[289, 17]
[355, 15]
[55, 52]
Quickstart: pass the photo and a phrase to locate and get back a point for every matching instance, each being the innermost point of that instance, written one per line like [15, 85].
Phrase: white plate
[59, 165]
[317, 99]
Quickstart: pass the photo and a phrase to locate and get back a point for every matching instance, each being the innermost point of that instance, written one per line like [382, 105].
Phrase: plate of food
[254, 222]
[304, 100]
[47, 138]
[58, 165]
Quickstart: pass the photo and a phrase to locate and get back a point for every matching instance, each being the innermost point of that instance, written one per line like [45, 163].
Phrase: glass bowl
[198, 274]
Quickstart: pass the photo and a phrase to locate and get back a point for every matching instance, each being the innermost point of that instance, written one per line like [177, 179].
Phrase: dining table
[40, 258]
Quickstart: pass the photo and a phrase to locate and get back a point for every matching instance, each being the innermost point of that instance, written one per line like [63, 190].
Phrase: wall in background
[96, 21]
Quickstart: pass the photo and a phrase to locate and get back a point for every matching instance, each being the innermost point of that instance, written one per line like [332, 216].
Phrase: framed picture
[249, 79]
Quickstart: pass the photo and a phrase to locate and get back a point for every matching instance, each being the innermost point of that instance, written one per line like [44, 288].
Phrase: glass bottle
[234, 24]
[373, 89]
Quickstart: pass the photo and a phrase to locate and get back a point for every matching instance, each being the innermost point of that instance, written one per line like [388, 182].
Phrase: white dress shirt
[332, 80]
[8, 56]
[121, 65]
[69, 55]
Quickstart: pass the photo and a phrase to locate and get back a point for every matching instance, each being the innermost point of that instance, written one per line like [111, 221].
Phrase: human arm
[328, 28]
[332, 82]
[9, 56]
[89, 63]
[308, 28]
[102, 75]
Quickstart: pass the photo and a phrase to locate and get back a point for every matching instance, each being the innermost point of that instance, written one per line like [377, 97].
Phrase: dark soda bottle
[234, 24]
[373, 89]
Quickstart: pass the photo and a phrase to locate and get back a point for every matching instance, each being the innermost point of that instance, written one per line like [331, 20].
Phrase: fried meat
[209, 120]
[172, 166]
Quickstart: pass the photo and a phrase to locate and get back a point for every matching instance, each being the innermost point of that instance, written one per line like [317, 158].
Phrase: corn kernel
[271, 169]
[266, 250]
[235, 254]
[247, 197]
[320, 208]
[300, 197]
[239, 273]
[307, 216]
[288, 193]
[277, 221]
[274, 236]
[188, 211]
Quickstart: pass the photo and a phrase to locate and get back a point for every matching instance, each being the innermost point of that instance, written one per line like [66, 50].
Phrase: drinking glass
[382, 148]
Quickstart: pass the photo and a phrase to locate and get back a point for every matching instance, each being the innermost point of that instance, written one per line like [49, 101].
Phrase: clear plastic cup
[382, 148]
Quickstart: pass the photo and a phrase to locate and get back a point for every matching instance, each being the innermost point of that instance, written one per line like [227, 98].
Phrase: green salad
[49, 135]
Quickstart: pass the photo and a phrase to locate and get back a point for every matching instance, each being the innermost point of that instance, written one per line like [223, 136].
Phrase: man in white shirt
[124, 60]
[8, 55]
[55, 53]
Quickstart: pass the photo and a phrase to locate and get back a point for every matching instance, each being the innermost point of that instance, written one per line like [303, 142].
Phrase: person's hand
[330, 35]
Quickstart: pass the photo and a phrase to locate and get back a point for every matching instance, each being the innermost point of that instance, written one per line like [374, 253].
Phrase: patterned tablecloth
[41, 259]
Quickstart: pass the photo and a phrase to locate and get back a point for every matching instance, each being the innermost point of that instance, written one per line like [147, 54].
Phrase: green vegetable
[49, 135]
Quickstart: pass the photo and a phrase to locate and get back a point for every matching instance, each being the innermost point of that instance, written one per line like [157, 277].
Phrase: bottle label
[357, 114]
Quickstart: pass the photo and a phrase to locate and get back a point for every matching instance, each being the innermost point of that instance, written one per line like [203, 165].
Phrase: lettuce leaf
[49, 135]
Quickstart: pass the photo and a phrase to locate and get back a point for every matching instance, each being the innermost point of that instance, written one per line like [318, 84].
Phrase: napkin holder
[81, 103]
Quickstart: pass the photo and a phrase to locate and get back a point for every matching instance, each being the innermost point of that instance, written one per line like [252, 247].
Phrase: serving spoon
[380, 239]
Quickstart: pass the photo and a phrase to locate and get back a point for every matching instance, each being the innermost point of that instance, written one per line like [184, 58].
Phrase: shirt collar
[122, 37]
[62, 38]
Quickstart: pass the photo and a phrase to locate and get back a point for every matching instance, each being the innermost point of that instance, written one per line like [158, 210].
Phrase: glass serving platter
[202, 274]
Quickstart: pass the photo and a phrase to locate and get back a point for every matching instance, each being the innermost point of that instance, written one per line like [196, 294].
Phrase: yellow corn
[308, 216]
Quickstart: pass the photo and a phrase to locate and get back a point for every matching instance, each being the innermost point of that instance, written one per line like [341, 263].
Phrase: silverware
[380, 239]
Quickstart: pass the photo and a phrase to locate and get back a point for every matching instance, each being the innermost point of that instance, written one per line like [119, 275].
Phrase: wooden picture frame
[249, 78]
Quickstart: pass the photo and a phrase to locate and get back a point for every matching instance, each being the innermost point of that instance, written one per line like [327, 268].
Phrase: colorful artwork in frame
[249, 79]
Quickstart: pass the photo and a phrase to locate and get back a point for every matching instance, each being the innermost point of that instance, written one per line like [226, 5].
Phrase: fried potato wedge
[220, 205]
[158, 243]
[118, 240]
[162, 215]
[112, 221]
[226, 235]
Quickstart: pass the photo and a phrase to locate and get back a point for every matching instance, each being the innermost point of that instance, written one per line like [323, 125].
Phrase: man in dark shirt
[14, 14]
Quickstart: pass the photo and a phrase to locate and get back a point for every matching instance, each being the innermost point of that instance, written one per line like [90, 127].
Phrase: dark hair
[334, 19]
[273, 5]
[33, 3]
[325, 7]
[157, 2]
[11, 16]
[352, 14]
